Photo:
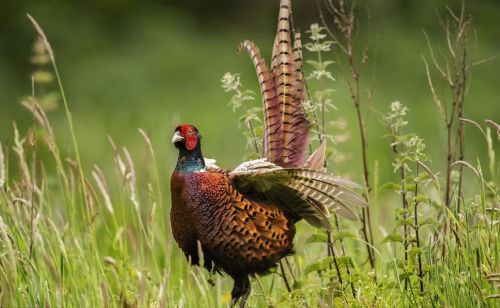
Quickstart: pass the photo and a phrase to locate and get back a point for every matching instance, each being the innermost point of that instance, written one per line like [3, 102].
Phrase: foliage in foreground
[77, 237]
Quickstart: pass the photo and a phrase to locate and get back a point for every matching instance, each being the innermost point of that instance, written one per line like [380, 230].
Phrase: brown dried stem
[455, 76]
[341, 31]
[417, 227]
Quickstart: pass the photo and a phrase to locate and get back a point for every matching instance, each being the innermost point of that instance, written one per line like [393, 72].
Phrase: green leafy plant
[251, 119]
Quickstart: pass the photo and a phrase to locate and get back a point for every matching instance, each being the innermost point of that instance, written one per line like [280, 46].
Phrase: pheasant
[243, 220]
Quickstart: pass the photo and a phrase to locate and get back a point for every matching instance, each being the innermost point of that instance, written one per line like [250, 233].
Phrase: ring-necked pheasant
[244, 219]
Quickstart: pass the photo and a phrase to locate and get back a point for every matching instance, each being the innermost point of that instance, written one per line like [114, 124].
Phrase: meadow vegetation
[77, 236]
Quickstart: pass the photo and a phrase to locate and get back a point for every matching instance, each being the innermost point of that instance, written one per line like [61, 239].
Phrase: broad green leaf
[402, 212]
[421, 198]
[344, 261]
[403, 222]
[315, 64]
[319, 266]
[428, 221]
[342, 235]
[317, 238]
[414, 251]
[390, 186]
[392, 238]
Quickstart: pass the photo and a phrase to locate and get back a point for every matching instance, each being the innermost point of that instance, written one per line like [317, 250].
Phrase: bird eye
[190, 132]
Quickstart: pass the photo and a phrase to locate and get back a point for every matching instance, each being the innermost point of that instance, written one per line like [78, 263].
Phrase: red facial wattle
[189, 134]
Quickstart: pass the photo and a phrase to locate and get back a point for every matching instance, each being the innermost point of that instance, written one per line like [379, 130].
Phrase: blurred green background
[152, 64]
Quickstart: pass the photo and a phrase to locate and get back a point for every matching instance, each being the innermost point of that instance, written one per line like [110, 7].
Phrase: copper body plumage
[240, 235]
[243, 220]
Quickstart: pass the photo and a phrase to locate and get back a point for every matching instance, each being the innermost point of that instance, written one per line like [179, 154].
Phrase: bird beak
[177, 138]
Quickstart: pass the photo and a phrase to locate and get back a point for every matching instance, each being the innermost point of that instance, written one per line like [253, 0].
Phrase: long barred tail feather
[317, 159]
[286, 134]
[272, 120]
[284, 177]
[289, 84]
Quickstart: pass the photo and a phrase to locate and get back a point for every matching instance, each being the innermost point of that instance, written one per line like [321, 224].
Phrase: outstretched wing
[285, 123]
[302, 193]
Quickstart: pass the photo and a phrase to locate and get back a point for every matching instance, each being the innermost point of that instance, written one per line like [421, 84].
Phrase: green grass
[128, 257]
[73, 235]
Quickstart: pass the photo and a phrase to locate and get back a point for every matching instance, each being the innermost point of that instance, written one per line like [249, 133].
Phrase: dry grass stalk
[153, 157]
[131, 178]
[50, 139]
[59, 239]
[120, 166]
[33, 170]
[42, 37]
[21, 159]
[109, 260]
[126, 170]
[162, 294]
[105, 293]
[10, 261]
[52, 269]
[148, 141]
[89, 192]
[102, 185]
[495, 126]
[91, 200]
[71, 178]
[152, 216]
[2, 167]
[475, 124]
[69, 117]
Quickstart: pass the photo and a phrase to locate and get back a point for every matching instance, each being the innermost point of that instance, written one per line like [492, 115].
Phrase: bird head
[186, 137]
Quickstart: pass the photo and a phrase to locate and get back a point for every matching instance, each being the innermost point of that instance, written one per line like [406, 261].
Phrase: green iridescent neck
[190, 161]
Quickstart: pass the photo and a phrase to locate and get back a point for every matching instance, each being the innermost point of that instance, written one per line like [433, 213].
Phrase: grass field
[84, 188]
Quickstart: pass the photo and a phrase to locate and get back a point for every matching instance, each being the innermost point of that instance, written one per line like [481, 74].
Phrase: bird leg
[241, 289]
[245, 296]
